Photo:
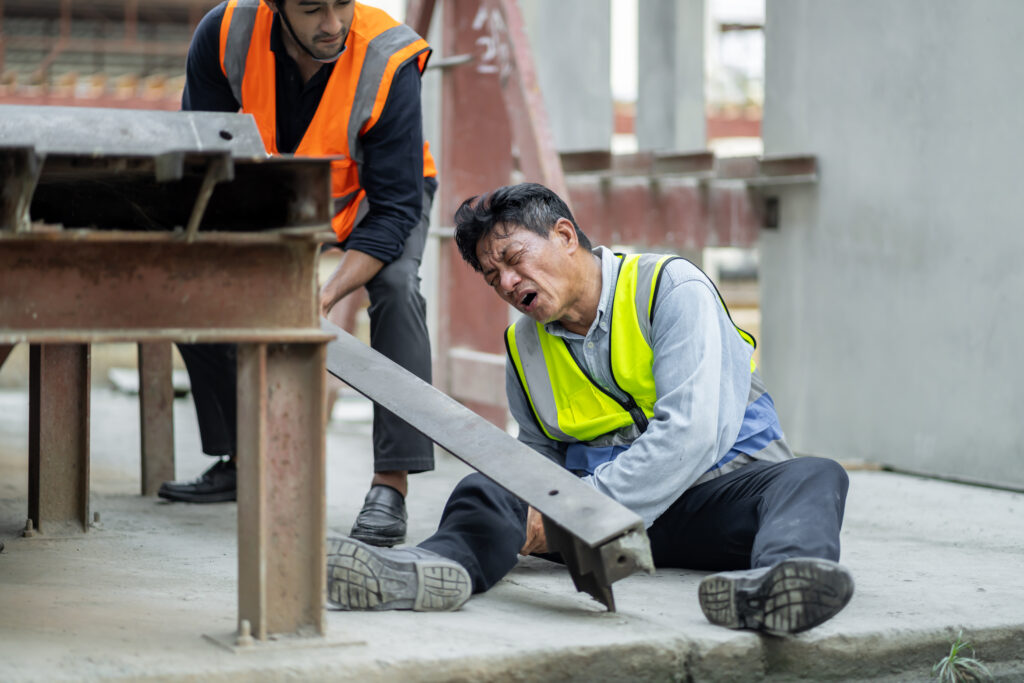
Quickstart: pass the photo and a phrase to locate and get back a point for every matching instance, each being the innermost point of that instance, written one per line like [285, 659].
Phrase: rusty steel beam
[58, 440]
[71, 281]
[156, 415]
[281, 488]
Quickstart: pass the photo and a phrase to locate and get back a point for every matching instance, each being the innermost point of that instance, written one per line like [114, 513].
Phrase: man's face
[530, 272]
[320, 25]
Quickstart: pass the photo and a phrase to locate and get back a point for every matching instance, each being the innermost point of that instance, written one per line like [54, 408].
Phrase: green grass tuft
[958, 668]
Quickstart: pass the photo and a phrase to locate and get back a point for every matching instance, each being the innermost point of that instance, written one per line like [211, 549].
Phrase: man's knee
[821, 474]
[398, 279]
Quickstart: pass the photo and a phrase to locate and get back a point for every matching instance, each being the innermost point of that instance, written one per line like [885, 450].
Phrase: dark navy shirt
[392, 168]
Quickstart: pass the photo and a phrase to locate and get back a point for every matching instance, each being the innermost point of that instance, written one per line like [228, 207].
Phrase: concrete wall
[571, 42]
[670, 88]
[892, 292]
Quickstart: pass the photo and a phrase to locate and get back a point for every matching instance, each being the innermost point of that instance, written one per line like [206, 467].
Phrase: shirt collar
[609, 276]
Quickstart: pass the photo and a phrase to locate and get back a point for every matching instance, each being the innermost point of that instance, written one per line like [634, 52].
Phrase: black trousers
[398, 329]
[755, 516]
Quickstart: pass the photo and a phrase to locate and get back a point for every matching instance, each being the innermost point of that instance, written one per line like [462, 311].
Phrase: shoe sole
[796, 595]
[360, 579]
[222, 497]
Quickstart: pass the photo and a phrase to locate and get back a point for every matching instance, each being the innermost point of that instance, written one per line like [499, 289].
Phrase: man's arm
[206, 86]
[702, 375]
[392, 175]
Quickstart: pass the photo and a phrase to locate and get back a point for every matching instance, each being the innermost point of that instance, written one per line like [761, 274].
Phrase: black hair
[528, 205]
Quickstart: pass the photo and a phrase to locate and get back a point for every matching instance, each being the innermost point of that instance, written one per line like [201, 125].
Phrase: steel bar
[281, 488]
[94, 131]
[58, 440]
[220, 170]
[156, 415]
[588, 518]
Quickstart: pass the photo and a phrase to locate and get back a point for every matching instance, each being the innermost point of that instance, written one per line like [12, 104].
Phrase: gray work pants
[398, 329]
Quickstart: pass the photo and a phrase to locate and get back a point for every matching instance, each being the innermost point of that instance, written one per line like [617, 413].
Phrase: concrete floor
[133, 598]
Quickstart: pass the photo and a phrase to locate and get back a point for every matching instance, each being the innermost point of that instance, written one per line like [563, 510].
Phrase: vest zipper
[629, 405]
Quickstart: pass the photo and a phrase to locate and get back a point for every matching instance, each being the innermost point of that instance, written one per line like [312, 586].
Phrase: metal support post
[281, 488]
[58, 441]
[156, 415]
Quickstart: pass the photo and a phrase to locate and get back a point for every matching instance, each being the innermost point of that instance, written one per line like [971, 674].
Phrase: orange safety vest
[352, 102]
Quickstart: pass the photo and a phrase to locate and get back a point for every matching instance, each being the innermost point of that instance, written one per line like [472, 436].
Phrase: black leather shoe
[381, 522]
[216, 485]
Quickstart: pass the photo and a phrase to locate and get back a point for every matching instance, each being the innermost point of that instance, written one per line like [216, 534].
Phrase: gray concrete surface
[893, 285]
[132, 599]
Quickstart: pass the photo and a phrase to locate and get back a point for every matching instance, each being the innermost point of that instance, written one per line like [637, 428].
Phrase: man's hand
[354, 270]
[536, 541]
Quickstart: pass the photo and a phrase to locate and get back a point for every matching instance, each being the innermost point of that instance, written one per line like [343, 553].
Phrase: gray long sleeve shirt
[702, 378]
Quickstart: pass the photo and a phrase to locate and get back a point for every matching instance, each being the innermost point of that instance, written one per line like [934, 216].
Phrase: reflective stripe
[236, 46]
[522, 339]
[341, 202]
[380, 52]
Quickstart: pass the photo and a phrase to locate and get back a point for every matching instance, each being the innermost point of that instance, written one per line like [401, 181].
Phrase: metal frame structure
[174, 246]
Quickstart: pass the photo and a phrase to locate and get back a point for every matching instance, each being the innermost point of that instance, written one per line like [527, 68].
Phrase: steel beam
[137, 281]
[156, 415]
[58, 439]
[600, 540]
[281, 488]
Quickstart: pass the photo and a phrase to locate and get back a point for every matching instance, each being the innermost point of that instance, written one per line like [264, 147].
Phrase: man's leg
[477, 542]
[398, 329]
[212, 371]
[780, 520]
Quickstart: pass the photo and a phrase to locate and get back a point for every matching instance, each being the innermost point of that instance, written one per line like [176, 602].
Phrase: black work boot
[216, 485]
[362, 577]
[381, 522]
[792, 596]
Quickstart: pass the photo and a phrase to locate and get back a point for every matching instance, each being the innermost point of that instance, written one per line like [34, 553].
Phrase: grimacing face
[530, 272]
[320, 25]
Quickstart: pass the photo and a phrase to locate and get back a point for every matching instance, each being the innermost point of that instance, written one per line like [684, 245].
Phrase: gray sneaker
[792, 596]
[364, 577]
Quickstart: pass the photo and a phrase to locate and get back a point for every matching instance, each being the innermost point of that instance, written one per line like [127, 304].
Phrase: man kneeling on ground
[628, 371]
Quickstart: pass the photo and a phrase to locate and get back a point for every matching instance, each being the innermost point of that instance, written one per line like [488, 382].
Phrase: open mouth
[528, 299]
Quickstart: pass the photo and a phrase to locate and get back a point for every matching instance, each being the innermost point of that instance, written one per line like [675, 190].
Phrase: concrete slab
[132, 599]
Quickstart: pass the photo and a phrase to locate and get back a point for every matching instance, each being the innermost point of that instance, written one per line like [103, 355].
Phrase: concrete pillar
[670, 87]
[571, 41]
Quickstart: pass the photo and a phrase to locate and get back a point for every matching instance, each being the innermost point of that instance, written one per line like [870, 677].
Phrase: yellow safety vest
[568, 405]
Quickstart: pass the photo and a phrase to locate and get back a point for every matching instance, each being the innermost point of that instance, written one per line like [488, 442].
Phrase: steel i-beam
[600, 540]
